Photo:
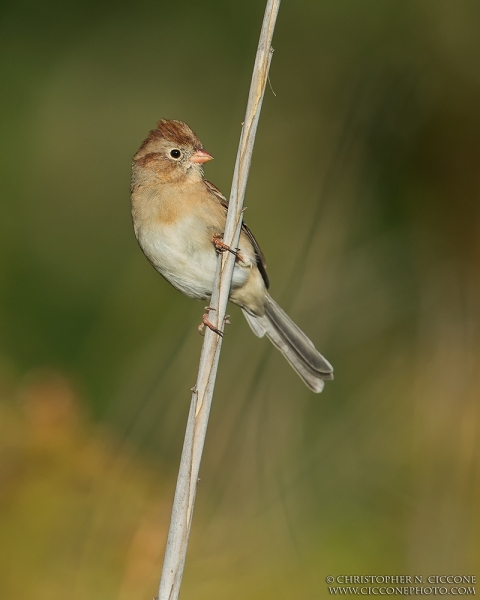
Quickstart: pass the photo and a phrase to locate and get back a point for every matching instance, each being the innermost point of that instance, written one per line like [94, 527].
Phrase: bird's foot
[206, 322]
[220, 246]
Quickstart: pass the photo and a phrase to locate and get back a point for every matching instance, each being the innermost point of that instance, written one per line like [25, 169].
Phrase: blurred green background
[364, 194]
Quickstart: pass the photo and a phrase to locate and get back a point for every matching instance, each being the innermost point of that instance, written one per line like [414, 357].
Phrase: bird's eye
[175, 153]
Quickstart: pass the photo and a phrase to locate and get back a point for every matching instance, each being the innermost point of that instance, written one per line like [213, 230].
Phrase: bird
[179, 219]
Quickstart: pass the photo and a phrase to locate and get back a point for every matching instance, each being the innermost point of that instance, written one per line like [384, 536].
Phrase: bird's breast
[183, 254]
[177, 238]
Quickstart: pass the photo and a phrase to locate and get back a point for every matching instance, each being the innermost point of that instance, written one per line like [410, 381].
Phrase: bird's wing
[261, 262]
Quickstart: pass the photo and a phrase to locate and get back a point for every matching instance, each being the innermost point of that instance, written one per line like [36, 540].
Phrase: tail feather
[299, 351]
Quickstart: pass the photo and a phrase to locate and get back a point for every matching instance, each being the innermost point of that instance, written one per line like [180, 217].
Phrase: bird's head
[172, 152]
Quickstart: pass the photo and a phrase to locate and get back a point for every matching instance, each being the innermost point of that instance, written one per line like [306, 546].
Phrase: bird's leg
[220, 246]
[206, 322]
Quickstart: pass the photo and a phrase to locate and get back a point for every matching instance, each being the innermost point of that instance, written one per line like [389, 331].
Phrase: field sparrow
[179, 219]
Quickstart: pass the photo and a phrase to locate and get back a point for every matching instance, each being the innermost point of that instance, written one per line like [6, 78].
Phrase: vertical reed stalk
[184, 500]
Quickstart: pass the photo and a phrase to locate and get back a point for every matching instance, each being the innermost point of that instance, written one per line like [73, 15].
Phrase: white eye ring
[175, 153]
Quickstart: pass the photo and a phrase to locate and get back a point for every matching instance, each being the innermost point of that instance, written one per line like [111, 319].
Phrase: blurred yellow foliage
[81, 517]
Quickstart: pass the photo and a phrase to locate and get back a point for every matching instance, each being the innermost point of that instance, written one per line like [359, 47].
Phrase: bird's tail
[295, 346]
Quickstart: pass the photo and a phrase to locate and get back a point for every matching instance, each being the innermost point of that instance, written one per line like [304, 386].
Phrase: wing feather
[261, 262]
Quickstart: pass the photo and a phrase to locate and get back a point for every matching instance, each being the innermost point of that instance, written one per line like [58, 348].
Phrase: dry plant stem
[183, 503]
